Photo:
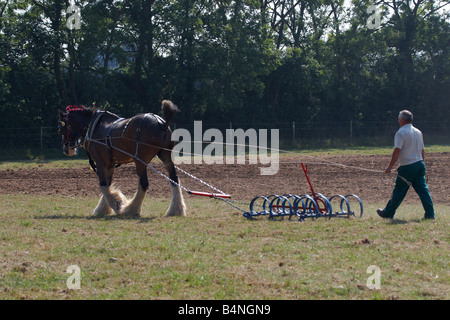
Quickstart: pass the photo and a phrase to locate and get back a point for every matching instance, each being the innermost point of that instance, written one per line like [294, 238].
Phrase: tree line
[253, 61]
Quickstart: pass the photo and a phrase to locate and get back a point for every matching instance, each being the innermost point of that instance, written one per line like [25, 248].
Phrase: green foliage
[225, 60]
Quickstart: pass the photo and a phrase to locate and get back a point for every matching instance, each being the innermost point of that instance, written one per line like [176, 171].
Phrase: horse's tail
[169, 109]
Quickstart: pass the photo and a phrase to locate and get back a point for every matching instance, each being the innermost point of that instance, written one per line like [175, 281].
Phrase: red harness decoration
[75, 108]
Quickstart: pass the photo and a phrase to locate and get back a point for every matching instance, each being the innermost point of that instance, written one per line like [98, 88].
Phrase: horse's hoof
[175, 214]
[129, 213]
[98, 213]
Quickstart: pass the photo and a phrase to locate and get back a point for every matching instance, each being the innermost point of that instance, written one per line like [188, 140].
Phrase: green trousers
[415, 174]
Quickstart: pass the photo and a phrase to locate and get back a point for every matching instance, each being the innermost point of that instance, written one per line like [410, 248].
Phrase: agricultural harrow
[302, 207]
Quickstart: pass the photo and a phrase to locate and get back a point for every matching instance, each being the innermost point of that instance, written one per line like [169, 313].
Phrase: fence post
[293, 131]
[351, 131]
[42, 138]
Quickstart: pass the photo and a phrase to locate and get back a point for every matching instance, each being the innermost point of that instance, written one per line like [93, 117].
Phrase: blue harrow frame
[304, 206]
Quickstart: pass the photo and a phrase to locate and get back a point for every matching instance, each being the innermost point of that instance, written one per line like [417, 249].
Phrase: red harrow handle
[209, 194]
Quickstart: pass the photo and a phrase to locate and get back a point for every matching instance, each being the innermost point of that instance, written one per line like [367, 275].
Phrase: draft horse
[105, 135]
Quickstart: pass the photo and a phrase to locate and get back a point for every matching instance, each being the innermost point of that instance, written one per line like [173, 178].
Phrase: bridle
[72, 137]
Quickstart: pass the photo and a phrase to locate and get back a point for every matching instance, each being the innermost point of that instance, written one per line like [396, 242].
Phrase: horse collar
[95, 118]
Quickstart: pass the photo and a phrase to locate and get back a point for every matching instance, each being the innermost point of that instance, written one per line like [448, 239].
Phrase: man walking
[409, 152]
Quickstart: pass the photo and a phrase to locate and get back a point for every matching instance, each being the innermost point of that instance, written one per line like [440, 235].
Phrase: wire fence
[44, 141]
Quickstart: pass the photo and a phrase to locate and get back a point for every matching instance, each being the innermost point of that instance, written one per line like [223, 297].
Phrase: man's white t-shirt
[410, 140]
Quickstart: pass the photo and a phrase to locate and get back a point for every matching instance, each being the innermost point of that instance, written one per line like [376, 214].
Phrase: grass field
[215, 253]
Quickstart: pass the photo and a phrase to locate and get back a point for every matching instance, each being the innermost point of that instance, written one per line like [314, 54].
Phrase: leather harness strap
[87, 139]
[111, 127]
[138, 133]
[108, 138]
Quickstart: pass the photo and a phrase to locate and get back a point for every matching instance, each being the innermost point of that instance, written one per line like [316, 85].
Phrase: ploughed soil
[329, 175]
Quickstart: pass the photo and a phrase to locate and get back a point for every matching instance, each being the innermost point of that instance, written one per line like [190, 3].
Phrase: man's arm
[394, 159]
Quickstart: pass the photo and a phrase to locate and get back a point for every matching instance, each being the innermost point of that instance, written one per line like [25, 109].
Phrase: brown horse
[110, 141]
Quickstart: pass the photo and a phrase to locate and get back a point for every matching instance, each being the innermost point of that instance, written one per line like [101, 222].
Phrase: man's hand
[394, 158]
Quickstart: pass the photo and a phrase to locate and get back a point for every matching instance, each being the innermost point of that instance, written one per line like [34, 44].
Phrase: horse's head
[73, 125]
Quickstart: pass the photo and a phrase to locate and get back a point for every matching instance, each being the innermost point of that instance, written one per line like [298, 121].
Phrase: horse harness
[93, 125]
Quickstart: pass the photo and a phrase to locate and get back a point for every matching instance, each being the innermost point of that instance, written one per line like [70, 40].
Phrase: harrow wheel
[361, 207]
[278, 207]
[325, 209]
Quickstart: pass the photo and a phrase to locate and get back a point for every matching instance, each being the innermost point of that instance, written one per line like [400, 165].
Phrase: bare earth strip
[243, 182]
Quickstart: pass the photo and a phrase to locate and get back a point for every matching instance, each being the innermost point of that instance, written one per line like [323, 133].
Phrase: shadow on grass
[401, 221]
[110, 218]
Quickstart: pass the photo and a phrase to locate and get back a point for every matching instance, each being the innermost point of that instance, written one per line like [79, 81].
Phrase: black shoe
[428, 218]
[382, 214]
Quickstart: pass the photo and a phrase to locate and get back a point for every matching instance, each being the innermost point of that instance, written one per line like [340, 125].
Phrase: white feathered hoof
[102, 209]
[114, 199]
[177, 206]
